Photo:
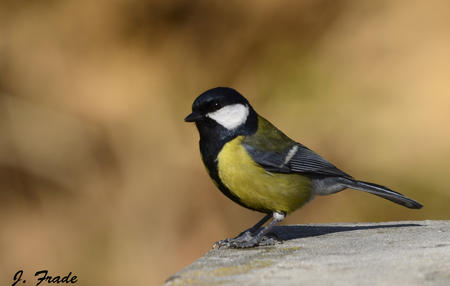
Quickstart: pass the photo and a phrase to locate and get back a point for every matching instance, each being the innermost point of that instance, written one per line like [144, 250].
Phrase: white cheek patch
[230, 116]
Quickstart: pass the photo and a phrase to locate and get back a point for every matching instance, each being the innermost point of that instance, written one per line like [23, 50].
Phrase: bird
[260, 168]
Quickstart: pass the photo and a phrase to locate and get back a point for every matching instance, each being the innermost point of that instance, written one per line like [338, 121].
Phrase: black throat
[214, 136]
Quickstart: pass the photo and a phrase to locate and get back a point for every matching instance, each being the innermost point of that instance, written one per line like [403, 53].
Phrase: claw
[255, 235]
[222, 243]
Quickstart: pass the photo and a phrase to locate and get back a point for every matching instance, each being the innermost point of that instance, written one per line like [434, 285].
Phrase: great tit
[260, 168]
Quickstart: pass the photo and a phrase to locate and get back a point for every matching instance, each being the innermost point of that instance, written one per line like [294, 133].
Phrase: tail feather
[383, 192]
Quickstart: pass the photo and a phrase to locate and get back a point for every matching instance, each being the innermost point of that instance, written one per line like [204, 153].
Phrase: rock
[388, 253]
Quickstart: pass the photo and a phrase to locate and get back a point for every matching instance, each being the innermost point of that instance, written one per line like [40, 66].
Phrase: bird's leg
[245, 235]
[248, 238]
[258, 237]
[251, 231]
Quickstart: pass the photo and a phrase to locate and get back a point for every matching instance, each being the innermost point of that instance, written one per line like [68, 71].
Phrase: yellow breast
[257, 188]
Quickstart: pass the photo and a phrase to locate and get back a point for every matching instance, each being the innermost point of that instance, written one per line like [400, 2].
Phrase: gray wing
[295, 159]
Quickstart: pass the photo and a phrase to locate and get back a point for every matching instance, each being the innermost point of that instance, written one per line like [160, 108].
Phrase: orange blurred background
[100, 176]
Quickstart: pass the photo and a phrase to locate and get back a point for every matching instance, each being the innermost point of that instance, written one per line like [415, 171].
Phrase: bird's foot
[227, 242]
[224, 243]
[246, 240]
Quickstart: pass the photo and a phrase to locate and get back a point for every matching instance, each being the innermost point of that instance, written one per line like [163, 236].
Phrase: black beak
[194, 116]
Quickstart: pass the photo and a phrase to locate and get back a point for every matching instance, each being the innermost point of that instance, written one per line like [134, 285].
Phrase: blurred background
[99, 175]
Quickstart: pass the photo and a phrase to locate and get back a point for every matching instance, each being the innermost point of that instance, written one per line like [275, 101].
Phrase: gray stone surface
[389, 253]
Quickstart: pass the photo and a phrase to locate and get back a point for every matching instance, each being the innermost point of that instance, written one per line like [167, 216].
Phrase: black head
[223, 109]
[213, 100]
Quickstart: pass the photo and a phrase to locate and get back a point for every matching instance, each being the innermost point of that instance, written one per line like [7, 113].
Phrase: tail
[383, 192]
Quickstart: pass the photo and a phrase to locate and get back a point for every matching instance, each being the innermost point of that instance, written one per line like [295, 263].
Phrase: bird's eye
[216, 105]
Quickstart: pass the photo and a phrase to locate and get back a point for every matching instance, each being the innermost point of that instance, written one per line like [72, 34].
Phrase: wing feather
[307, 161]
[277, 153]
[304, 161]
